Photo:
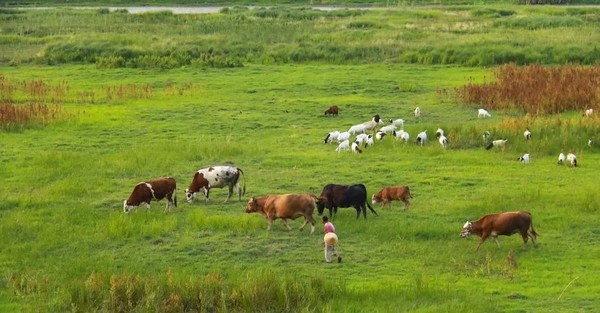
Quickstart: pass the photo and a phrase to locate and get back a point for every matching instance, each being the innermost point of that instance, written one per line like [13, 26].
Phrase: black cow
[344, 196]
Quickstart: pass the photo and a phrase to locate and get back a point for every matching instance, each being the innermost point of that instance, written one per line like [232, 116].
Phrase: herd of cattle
[333, 196]
[291, 206]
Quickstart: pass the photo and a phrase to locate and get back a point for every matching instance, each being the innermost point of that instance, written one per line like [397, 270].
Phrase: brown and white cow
[506, 224]
[332, 111]
[215, 177]
[156, 190]
[387, 194]
[284, 207]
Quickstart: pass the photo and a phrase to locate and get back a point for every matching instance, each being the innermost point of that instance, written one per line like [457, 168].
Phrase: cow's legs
[206, 193]
[481, 241]
[229, 193]
[532, 235]
[285, 223]
[147, 206]
[496, 240]
[270, 221]
[406, 203]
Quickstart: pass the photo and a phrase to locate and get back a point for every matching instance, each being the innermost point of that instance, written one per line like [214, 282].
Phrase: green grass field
[67, 246]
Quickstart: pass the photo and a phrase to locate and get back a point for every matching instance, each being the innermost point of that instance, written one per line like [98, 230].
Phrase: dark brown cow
[332, 111]
[286, 206]
[506, 224]
[387, 194]
[156, 190]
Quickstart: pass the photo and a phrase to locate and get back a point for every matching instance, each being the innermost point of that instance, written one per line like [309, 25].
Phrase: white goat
[572, 159]
[590, 143]
[483, 113]
[589, 112]
[500, 143]
[524, 158]
[486, 135]
[398, 123]
[443, 141]
[439, 132]
[379, 135]
[331, 136]
[561, 158]
[417, 112]
[343, 146]
[422, 137]
[401, 134]
[369, 141]
[388, 129]
[527, 134]
[357, 129]
[360, 138]
[343, 136]
[355, 147]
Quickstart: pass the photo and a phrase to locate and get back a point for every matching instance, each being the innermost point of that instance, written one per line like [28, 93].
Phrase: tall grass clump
[262, 291]
[536, 89]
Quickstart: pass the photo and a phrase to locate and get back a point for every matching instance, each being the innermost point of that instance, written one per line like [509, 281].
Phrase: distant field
[68, 246]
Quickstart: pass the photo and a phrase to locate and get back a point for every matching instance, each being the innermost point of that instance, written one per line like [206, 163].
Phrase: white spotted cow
[156, 190]
[215, 177]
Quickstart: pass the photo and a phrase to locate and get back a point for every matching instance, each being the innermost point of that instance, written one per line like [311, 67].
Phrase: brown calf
[505, 224]
[286, 206]
[332, 111]
[156, 190]
[387, 194]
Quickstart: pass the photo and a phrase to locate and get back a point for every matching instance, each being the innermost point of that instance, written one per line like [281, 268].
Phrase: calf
[284, 207]
[332, 111]
[387, 194]
[156, 190]
[505, 224]
[343, 196]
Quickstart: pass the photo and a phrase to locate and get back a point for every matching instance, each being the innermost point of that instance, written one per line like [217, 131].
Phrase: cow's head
[252, 205]
[189, 195]
[321, 202]
[376, 198]
[466, 231]
[127, 208]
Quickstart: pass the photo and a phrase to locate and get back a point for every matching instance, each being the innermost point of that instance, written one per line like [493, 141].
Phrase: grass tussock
[536, 90]
[169, 292]
[19, 116]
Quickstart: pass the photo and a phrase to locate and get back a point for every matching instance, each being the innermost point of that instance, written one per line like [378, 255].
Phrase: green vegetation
[460, 35]
[67, 245]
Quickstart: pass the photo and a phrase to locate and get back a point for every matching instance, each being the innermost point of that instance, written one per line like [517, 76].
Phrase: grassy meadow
[67, 246]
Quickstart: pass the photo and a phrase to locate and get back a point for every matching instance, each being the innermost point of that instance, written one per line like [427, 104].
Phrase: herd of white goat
[376, 126]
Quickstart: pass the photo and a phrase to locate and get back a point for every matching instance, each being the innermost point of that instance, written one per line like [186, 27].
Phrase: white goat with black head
[331, 136]
[524, 158]
[572, 160]
[422, 137]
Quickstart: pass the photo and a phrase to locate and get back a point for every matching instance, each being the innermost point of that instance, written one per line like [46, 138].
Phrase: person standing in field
[330, 240]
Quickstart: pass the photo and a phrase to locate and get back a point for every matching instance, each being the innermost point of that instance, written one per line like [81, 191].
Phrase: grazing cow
[215, 177]
[483, 113]
[506, 224]
[332, 111]
[387, 194]
[501, 143]
[284, 207]
[344, 196]
[156, 190]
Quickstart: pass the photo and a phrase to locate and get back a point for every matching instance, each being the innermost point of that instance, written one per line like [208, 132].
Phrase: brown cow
[286, 206]
[506, 224]
[387, 194]
[157, 189]
[215, 177]
[332, 111]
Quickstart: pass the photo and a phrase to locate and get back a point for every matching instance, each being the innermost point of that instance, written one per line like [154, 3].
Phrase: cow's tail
[532, 230]
[370, 207]
[175, 197]
[242, 191]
